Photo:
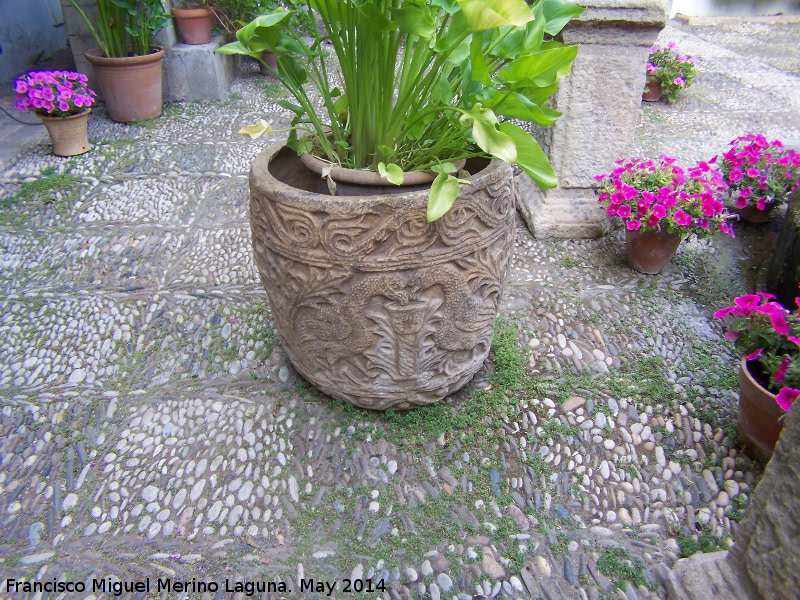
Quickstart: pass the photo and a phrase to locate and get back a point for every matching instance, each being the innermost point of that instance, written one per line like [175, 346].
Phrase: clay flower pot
[130, 85]
[759, 415]
[752, 214]
[193, 23]
[650, 251]
[373, 304]
[271, 60]
[68, 134]
[653, 93]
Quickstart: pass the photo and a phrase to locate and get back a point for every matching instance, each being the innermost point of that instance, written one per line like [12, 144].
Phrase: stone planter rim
[365, 177]
[260, 173]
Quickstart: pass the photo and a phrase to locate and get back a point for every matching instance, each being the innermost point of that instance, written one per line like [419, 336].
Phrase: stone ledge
[705, 577]
[196, 72]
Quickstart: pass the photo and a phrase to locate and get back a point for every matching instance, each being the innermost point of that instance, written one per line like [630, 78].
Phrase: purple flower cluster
[53, 93]
[768, 333]
[654, 195]
[760, 173]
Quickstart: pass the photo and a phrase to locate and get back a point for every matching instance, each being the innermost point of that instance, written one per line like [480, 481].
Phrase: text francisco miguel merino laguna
[248, 588]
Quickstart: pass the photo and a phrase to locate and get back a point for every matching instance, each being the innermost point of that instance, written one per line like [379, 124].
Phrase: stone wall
[29, 32]
[766, 554]
[600, 101]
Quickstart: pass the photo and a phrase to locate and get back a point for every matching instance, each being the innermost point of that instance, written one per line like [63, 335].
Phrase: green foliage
[616, 563]
[421, 84]
[41, 188]
[704, 542]
[124, 25]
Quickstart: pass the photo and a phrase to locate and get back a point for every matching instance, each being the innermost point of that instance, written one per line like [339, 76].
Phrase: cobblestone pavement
[152, 428]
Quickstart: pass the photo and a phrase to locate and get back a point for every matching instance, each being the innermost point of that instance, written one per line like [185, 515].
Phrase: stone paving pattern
[152, 426]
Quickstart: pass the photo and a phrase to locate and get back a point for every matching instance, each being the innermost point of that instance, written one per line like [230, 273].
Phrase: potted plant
[389, 299]
[127, 62]
[234, 14]
[668, 73]
[768, 337]
[193, 22]
[62, 100]
[661, 204]
[761, 175]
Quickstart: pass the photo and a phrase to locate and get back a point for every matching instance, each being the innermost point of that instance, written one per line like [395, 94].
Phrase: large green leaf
[238, 47]
[486, 134]
[444, 191]
[392, 173]
[530, 157]
[557, 14]
[477, 62]
[540, 69]
[416, 20]
[487, 14]
[263, 30]
[518, 106]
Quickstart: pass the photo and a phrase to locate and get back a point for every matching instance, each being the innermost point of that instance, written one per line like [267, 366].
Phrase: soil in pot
[650, 251]
[759, 413]
[68, 134]
[373, 304]
[193, 24]
[130, 85]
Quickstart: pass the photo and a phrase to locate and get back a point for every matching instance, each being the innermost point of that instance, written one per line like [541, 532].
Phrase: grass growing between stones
[616, 564]
[52, 187]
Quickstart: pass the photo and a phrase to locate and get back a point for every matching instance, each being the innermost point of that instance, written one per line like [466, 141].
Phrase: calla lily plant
[419, 84]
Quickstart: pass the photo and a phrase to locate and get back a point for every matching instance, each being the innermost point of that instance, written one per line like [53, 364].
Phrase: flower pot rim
[96, 57]
[751, 379]
[260, 172]
[75, 116]
[191, 12]
[367, 177]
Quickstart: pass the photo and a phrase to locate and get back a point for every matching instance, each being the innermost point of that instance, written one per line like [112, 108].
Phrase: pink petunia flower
[780, 372]
[786, 396]
[634, 225]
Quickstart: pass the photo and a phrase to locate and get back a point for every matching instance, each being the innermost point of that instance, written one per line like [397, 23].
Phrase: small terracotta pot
[68, 134]
[653, 93]
[129, 85]
[759, 413]
[650, 251]
[193, 24]
[271, 60]
[752, 214]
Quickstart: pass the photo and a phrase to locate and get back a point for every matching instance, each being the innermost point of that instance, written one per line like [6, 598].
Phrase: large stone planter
[373, 305]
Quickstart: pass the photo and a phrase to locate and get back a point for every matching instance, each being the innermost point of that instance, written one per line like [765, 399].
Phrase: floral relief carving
[380, 307]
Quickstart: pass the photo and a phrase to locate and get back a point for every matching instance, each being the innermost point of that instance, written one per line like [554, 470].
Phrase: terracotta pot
[271, 60]
[650, 251]
[358, 182]
[752, 214]
[654, 92]
[130, 85]
[758, 415]
[68, 134]
[193, 24]
[373, 304]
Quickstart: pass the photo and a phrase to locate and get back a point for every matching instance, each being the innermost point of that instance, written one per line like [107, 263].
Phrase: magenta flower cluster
[760, 173]
[768, 333]
[53, 93]
[671, 69]
[656, 195]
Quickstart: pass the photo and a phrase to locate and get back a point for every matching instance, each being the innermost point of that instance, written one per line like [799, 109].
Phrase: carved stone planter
[373, 304]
